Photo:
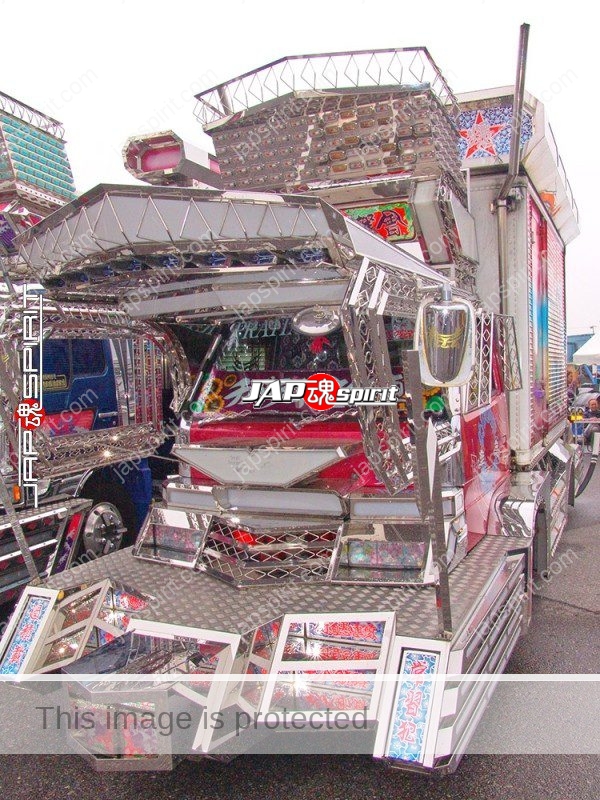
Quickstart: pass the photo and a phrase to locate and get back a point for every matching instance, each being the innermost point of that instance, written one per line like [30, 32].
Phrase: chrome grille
[246, 555]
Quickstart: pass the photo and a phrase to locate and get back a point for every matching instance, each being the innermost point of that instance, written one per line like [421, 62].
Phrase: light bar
[295, 144]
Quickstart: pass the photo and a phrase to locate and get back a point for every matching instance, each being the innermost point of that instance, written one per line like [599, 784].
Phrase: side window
[88, 357]
[56, 364]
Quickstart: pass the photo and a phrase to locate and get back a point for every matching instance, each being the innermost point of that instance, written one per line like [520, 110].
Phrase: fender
[529, 491]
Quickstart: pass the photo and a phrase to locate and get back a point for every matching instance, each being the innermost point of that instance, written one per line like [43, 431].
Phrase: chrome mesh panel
[479, 391]
[63, 455]
[504, 330]
[248, 555]
[368, 356]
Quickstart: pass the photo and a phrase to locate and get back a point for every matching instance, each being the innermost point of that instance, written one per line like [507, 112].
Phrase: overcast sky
[111, 69]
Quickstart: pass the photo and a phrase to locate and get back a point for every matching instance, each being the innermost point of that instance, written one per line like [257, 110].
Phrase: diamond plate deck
[198, 600]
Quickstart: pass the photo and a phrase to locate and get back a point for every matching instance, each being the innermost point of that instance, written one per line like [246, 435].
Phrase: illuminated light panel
[413, 706]
[29, 625]
[348, 630]
[68, 542]
[393, 221]
[328, 664]
[174, 537]
[380, 554]
[315, 650]
[166, 158]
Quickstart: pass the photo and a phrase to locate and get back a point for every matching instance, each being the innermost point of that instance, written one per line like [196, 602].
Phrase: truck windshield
[272, 349]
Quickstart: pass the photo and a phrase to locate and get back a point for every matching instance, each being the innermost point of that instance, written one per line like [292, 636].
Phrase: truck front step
[281, 655]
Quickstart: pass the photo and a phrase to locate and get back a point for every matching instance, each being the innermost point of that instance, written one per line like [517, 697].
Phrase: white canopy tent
[589, 353]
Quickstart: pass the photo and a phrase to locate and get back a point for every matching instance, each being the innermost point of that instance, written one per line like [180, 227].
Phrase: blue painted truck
[93, 509]
[80, 394]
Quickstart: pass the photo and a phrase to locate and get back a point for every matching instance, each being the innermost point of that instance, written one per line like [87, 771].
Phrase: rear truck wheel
[110, 523]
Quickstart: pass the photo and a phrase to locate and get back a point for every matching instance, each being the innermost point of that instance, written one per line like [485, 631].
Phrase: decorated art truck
[76, 498]
[374, 457]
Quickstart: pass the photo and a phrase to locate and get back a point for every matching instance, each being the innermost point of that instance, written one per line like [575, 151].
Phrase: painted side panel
[538, 323]
[547, 333]
[486, 456]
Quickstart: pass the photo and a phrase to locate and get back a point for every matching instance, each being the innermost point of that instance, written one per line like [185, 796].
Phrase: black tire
[110, 523]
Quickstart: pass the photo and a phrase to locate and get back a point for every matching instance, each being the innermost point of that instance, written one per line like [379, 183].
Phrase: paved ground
[564, 637]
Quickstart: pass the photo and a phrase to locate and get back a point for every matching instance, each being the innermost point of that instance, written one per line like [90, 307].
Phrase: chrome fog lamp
[43, 486]
[316, 321]
[445, 339]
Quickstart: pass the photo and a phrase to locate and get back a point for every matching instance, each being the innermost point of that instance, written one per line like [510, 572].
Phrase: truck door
[79, 385]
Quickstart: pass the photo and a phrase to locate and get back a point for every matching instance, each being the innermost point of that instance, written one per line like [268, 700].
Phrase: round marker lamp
[316, 321]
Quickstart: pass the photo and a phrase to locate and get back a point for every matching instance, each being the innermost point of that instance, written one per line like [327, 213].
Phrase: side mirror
[445, 339]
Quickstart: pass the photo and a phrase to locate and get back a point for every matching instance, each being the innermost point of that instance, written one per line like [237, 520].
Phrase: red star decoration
[480, 136]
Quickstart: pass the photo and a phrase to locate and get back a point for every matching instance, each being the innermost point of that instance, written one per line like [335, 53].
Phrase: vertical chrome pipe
[501, 204]
[519, 96]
